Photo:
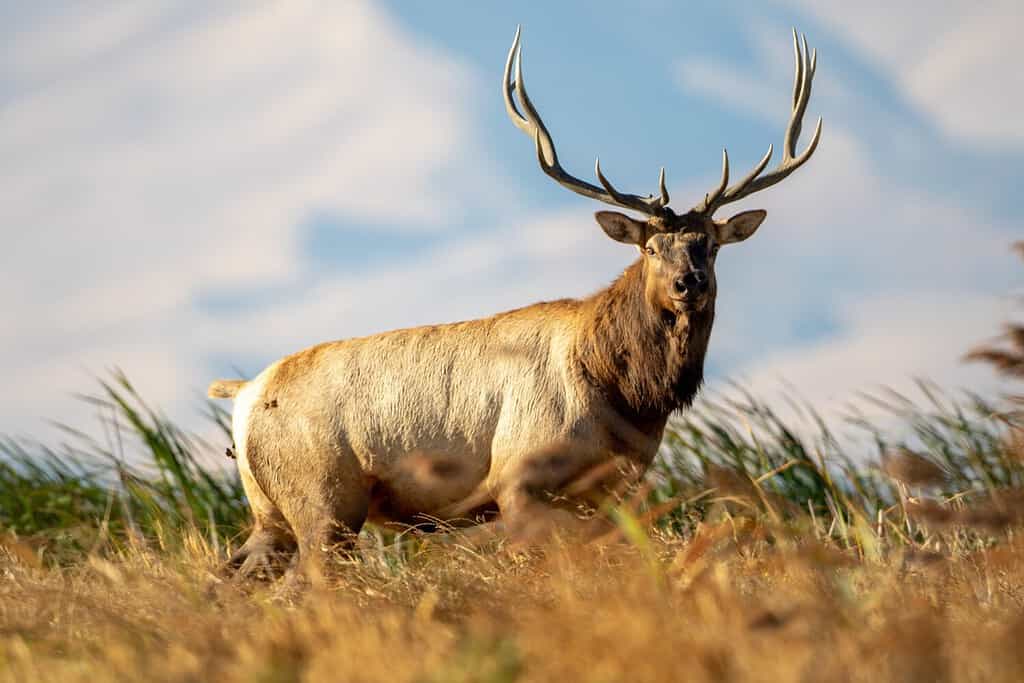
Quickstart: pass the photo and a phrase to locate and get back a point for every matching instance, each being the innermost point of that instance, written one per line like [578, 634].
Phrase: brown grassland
[736, 600]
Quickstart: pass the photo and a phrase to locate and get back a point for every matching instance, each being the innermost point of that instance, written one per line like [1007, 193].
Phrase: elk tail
[225, 388]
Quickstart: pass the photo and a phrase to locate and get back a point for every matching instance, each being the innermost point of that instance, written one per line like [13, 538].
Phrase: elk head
[678, 249]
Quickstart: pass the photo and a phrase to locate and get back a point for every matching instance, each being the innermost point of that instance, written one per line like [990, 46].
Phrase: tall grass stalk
[739, 446]
[148, 481]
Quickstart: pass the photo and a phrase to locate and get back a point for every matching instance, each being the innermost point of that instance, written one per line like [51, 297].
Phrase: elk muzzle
[690, 289]
[691, 283]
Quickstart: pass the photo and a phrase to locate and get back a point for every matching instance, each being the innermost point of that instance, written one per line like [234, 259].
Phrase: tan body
[331, 435]
[323, 437]
[483, 393]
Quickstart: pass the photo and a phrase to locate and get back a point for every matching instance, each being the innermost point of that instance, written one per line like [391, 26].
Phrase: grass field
[734, 601]
[753, 551]
[750, 553]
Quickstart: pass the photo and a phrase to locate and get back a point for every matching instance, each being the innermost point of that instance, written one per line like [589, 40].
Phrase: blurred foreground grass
[147, 481]
[740, 599]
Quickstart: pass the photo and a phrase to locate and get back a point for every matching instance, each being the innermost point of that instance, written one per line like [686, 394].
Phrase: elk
[322, 436]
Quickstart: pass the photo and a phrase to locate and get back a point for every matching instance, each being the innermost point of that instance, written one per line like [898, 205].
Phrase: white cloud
[203, 147]
[156, 153]
[957, 61]
[884, 341]
[732, 86]
[543, 257]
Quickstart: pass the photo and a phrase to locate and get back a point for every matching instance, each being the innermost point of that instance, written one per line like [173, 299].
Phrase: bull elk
[322, 437]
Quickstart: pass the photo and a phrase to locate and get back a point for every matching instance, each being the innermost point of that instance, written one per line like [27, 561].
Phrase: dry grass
[744, 558]
[772, 569]
[739, 600]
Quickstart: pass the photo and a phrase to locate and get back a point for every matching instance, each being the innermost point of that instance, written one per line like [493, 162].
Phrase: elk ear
[622, 228]
[739, 227]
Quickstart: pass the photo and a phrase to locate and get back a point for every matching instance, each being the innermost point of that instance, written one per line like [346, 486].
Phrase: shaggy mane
[646, 363]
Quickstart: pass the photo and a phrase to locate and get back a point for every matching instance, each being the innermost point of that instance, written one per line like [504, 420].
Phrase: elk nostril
[692, 281]
[701, 279]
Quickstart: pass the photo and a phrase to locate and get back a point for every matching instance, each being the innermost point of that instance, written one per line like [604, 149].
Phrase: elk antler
[530, 123]
[806, 62]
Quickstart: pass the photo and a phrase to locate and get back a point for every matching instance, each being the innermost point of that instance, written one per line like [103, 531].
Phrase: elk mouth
[689, 304]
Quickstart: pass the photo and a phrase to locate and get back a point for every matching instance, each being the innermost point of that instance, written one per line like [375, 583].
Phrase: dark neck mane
[644, 364]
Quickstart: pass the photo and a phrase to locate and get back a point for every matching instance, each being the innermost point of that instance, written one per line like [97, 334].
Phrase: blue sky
[194, 188]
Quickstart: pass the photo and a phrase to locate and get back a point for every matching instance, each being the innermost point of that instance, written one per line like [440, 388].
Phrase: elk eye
[649, 250]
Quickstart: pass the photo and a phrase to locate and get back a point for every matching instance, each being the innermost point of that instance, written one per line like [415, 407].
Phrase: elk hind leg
[270, 543]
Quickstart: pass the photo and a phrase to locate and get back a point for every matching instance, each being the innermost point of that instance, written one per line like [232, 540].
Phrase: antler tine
[529, 121]
[806, 61]
[662, 190]
[618, 197]
[712, 198]
[798, 77]
[508, 85]
[802, 84]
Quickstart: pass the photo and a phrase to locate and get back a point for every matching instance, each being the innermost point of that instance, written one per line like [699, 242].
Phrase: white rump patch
[245, 401]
